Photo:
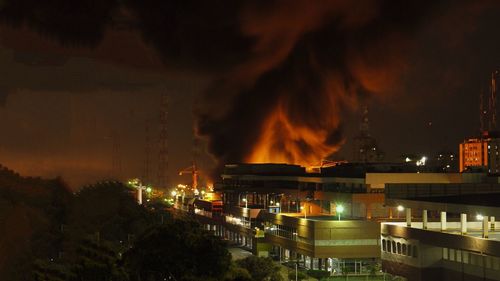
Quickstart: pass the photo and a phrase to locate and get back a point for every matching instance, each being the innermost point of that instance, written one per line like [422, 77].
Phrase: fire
[282, 141]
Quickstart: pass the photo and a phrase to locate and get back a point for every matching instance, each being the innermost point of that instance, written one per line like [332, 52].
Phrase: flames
[282, 141]
[308, 67]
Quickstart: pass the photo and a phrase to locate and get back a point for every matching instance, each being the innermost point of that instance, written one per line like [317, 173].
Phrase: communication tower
[162, 180]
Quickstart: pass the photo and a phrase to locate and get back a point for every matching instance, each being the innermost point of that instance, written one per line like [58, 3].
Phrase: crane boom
[194, 172]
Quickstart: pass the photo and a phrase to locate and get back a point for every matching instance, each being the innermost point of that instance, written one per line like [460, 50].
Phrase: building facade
[480, 153]
[328, 219]
[449, 232]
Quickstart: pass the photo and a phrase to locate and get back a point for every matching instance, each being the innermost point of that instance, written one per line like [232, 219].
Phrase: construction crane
[194, 174]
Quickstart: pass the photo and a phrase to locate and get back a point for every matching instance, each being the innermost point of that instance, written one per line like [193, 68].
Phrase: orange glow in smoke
[284, 142]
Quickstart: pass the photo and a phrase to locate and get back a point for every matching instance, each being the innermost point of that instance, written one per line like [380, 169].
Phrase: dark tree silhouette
[180, 250]
[261, 268]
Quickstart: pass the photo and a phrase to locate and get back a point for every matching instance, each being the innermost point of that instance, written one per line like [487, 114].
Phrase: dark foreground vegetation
[101, 233]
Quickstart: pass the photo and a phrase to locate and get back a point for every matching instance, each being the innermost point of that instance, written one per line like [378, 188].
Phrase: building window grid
[471, 258]
[399, 248]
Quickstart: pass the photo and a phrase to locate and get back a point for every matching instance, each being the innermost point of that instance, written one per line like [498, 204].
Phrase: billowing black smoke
[309, 66]
[286, 70]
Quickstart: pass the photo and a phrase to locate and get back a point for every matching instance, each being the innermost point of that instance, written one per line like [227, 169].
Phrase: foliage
[95, 261]
[178, 249]
[101, 233]
[300, 275]
[98, 260]
[261, 268]
[318, 274]
[31, 212]
[374, 267]
[110, 209]
[236, 273]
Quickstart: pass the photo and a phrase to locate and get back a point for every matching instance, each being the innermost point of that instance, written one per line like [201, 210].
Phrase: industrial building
[327, 219]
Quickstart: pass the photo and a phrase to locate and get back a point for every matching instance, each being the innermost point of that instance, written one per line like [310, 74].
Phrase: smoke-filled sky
[258, 81]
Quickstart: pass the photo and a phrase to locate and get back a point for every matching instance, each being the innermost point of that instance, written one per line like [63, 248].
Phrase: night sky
[256, 80]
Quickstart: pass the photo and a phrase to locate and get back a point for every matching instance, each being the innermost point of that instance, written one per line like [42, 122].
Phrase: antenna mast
[492, 104]
[163, 151]
[147, 153]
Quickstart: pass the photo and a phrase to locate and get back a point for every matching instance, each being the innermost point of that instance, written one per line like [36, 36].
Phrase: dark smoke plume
[309, 65]
[287, 69]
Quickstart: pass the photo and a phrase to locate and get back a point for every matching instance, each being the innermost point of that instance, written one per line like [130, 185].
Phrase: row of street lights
[401, 208]
[339, 208]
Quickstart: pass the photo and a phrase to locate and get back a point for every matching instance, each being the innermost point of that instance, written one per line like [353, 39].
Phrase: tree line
[101, 233]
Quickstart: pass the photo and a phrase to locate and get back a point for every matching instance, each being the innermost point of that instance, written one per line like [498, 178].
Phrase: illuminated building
[483, 153]
[449, 232]
[327, 219]
[480, 153]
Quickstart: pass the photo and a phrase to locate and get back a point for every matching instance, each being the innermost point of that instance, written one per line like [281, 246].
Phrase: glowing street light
[174, 193]
[149, 189]
[479, 217]
[246, 202]
[400, 208]
[305, 211]
[340, 210]
[422, 161]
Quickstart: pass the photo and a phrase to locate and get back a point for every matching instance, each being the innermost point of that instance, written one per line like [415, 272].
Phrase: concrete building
[328, 219]
[449, 232]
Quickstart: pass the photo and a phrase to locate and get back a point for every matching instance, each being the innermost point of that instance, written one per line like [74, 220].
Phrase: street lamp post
[296, 271]
[305, 211]
[246, 202]
[340, 210]
[400, 209]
